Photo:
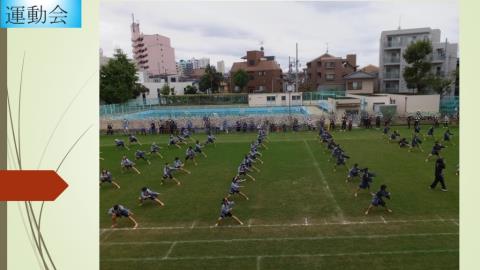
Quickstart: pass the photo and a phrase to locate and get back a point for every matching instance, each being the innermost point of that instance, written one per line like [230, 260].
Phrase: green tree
[210, 80]
[190, 90]
[240, 79]
[118, 80]
[418, 73]
[165, 90]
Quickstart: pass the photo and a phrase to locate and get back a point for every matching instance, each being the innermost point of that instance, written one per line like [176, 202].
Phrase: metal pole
[296, 67]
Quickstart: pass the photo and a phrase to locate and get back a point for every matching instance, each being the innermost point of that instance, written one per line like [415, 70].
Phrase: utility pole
[296, 67]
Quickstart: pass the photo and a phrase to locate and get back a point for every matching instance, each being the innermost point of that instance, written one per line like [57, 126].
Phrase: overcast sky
[226, 30]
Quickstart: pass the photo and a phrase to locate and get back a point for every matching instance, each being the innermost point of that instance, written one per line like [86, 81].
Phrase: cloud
[226, 30]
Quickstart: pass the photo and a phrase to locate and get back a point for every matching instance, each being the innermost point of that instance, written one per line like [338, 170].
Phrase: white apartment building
[393, 43]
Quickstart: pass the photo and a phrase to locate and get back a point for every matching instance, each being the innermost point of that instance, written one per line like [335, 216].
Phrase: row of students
[246, 166]
[119, 211]
[366, 176]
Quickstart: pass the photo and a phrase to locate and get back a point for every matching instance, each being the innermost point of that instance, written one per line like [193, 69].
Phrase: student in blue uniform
[190, 155]
[367, 178]
[119, 211]
[120, 144]
[430, 132]
[249, 163]
[210, 139]
[178, 165]
[353, 172]
[127, 164]
[148, 194]
[341, 161]
[173, 142]
[139, 154]
[416, 143]
[198, 148]
[155, 149]
[242, 171]
[133, 140]
[235, 188]
[106, 177]
[181, 139]
[394, 136]
[226, 211]
[439, 167]
[417, 129]
[446, 136]
[386, 129]
[254, 156]
[436, 148]
[167, 173]
[403, 143]
[186, 133]
[378, 200]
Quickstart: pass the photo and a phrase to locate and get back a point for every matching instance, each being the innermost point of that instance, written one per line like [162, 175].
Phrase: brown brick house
[264, 72]
[326, 72]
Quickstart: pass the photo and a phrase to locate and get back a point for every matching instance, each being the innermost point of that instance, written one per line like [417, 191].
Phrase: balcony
[391, 60]
[437, 57]
[392, 76]
[393, 44]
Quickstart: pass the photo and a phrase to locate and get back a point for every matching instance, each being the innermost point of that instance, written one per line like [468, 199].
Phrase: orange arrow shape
[30, 185]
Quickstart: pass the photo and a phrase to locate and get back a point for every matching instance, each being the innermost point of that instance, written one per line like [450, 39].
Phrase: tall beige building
[152, 53]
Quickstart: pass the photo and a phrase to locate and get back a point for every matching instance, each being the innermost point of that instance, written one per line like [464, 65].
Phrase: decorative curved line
[73, 146]
[53, 133]
[40, 236]
[13, 130]
[19, 110]
[60, 120]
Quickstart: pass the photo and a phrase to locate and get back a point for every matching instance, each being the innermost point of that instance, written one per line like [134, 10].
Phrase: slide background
[58, 63]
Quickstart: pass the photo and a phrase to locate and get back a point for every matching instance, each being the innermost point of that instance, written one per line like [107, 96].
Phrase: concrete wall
[406, 104]
[412, 104]
[260, 100]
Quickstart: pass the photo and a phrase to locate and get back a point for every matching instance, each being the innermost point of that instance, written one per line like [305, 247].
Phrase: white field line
[279, 239]
[322, 176]
[193, 225]
[383, 219]
[306, 221]
[169, 251]
[455, 222]
[395, 252]
[259, 258]
[284, 225]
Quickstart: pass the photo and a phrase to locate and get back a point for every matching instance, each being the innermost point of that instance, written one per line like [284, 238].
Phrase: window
[330, 64]
[355, 85]
[270, 98]
[284, 98]
[330, 77]
[251, 62]
[295, 97]
[261, 88]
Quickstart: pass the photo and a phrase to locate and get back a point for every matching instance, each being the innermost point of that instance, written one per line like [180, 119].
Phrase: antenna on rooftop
[327, 46]
[133, 18]
[261, 46]
[399, 22]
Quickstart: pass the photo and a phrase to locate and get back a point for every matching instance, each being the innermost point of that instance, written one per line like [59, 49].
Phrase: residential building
[394, 43]
[265, 74]
[103, 59]
[199, 63]
[221, 67]
[326, 72]
[152, 53]
[360, 82]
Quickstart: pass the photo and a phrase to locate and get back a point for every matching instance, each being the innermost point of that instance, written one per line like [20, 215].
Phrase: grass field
[301, 214]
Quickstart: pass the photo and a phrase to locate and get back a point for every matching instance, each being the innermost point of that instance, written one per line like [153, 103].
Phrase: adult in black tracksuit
[439, 167]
